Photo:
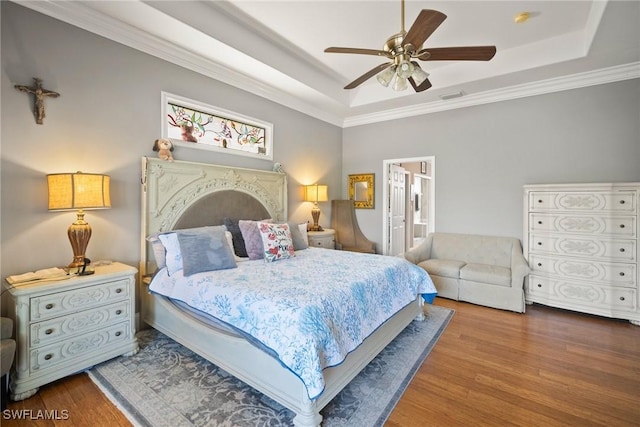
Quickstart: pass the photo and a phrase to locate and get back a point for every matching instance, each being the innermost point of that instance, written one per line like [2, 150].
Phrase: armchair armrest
[420, 252]
[519, 266]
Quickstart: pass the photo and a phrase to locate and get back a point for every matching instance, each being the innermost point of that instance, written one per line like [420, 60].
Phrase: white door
[397, 199]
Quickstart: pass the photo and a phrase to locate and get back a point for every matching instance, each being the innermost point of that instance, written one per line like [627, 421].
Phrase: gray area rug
[166, 384]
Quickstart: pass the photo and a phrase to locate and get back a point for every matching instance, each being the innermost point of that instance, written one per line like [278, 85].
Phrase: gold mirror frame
[362, 190]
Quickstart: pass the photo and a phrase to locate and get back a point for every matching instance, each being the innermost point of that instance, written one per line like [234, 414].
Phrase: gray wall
[485, 154]
[105, 120]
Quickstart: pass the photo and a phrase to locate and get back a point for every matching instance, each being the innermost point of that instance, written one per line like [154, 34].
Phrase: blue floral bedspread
[311, 310]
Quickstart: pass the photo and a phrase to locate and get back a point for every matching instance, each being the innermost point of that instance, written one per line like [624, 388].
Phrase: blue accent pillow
[205, 249]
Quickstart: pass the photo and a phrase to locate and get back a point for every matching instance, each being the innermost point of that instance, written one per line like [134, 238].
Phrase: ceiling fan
[406, 46]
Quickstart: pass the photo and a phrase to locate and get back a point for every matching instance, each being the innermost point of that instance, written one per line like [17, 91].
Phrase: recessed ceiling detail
[265, 48]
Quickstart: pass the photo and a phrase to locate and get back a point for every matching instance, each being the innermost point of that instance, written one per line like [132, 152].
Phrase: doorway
[408, 203]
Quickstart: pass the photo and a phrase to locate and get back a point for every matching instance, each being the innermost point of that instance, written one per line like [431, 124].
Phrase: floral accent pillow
[277, 241]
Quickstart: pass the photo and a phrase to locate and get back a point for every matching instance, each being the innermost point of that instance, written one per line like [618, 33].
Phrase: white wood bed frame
[168, 189]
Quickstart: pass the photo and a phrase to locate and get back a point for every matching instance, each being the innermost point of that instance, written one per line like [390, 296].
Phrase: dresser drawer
[58, 304]
[579, 201]
[616, 274]
[79, 347]
[582, 294]
[583, 224]
[596, 248]
[49, 331]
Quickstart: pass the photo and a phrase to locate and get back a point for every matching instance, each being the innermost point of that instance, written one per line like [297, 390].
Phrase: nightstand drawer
[49, 331]
[327, 243]
[322, 239]
[79, 347]
[58, 304]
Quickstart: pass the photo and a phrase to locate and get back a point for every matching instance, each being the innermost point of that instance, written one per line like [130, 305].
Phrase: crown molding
[94, 21]
[558, 84]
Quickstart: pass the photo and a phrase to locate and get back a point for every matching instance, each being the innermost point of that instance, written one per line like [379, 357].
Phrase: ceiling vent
[452, 95]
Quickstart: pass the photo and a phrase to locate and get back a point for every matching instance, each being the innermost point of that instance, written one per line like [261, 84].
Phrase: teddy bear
[164, 147]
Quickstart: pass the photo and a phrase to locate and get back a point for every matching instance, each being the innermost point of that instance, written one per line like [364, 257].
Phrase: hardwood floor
[547, 367]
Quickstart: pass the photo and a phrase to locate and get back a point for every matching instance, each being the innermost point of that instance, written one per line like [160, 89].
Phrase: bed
[187, 196]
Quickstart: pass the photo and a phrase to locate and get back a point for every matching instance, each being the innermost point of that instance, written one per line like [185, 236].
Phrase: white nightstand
[66, 326]
[322, 239]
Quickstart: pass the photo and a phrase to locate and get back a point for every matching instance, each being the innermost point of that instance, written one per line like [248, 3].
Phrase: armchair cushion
[443, 267]
[484, 273]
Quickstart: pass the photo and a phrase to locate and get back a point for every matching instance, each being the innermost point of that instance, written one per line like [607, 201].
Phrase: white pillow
[174, 255]
[303, 230]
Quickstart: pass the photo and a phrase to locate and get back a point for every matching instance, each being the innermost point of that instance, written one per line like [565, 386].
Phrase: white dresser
[66, 326]
[581, 242]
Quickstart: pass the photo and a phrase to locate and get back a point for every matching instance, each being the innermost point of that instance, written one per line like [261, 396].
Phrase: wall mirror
[361, 190]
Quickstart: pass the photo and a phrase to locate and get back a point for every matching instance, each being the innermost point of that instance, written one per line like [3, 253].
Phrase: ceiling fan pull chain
[402, 17]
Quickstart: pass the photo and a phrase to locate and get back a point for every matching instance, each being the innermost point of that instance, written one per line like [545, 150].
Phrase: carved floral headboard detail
[169, 189]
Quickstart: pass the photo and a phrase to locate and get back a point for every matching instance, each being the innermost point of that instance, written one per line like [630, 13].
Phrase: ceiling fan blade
[358, 51]
[426, 84]
[425, 24]
[366, 76]
[463, 53]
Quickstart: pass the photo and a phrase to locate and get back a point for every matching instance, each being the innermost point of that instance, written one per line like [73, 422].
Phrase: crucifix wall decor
[39, 94]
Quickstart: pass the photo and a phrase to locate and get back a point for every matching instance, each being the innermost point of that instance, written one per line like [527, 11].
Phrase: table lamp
[70, 191]
[315, 193]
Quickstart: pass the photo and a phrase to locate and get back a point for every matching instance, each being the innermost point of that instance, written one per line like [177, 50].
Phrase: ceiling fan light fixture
[405, 69]
[385, 76]
[419, 75]
[400, 83]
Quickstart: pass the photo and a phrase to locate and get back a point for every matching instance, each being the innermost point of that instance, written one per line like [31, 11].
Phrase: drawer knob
[48, 331]
[539, 201]
[539, 243]
[622, 202]
[540, 222]
[48, 356]
[621, 225]
[621, 298]
[622, 273]
[118, 333]
[539, 264]
[119, 290]
[118, 311]
[621, 249]
[48, 306]
[539, 285]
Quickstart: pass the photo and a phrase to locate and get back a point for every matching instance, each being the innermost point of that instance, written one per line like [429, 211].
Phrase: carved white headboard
[170, 189]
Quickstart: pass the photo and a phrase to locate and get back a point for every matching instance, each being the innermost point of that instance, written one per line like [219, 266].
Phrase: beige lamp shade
[315, 193]
[70, 191]
[78, 191]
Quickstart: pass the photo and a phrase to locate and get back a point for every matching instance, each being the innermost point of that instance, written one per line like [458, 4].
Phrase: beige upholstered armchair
[7, 352]
[349, 237]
